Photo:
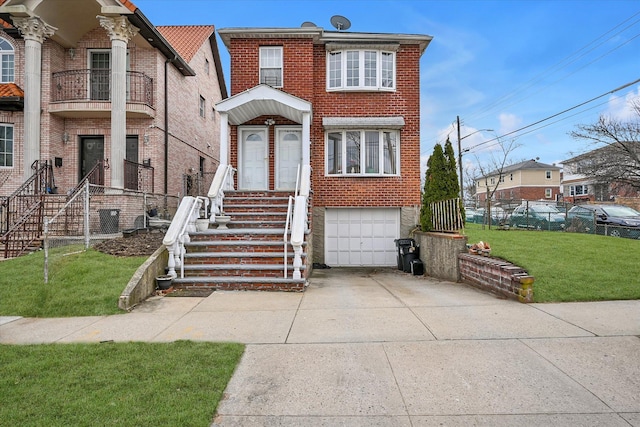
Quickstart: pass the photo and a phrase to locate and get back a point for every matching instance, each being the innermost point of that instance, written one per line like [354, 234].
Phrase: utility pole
[460, 162]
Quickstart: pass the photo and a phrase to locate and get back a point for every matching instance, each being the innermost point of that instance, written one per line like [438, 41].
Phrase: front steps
[250, 253]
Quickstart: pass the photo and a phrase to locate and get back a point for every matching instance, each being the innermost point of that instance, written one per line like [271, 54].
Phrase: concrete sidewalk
[365, 347]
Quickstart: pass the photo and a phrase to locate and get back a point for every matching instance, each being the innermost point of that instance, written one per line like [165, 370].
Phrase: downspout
[166, 125]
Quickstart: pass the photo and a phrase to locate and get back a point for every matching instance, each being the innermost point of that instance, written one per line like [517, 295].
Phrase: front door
[253, 159]
[131, 165]
[288, 157]
[91, 152]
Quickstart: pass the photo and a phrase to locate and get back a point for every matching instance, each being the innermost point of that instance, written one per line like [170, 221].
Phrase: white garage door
[361, 237]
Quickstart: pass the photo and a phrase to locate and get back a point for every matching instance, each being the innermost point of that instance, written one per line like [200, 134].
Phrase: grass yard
[132, 384]
[568, 266]
[80, 284]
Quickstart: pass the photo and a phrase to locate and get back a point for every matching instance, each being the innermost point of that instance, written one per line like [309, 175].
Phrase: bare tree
[494, 168]
[615, 160]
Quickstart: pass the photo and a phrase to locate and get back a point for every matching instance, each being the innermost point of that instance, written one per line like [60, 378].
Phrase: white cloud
[509, 123]
[622, 107]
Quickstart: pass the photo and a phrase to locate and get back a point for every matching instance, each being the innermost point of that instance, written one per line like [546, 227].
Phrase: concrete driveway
[378, 347]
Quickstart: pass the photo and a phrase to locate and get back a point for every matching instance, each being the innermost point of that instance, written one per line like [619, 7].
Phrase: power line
[497, 138]
[558, 66]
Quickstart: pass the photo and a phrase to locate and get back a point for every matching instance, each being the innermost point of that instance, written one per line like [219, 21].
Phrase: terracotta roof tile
[10, 90]
[186, 39]
[129, 5]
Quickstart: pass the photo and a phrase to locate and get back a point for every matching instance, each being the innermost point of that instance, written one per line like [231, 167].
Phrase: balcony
[87, 94]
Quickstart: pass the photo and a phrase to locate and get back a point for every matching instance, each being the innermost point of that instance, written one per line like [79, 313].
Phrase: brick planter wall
[496, 275]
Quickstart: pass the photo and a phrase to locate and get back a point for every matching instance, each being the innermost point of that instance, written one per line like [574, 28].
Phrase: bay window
[362, 152]
[360, 70]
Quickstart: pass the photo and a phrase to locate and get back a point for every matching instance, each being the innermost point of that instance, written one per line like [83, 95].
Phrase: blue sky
[499, 65]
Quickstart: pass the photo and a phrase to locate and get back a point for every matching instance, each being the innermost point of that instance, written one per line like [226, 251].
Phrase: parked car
[498, 216]
[610, 220]
[537, 217]
[470, 214]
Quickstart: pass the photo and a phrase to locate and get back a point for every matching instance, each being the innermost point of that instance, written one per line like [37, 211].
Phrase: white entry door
[253, 159]
[288, 157]
[361, 236]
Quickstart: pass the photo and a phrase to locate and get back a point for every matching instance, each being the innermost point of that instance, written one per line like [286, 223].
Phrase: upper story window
[6, 146]
[271, 65]
[548, 174]
[7, 56]
[363, 152]
[206, 66]
[202, 106]
[361, 70]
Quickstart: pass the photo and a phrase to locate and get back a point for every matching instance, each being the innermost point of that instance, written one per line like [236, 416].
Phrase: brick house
[579, 185]
[346, 104]
[100, 82]
[528, 180]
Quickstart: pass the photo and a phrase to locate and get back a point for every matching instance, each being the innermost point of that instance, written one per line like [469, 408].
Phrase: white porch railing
[183, 223]
[223, 180]
[299, 221]
[288, 221]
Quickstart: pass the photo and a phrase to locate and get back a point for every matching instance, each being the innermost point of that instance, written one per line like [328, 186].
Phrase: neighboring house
[96, 81]
[590, 177]
[348, 105]
[528, 180]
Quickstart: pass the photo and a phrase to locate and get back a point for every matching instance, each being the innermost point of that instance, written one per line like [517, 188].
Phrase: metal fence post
[46, 250]
[86, 215]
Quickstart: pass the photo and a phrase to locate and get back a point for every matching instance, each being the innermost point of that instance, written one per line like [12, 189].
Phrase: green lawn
[80, 284]
[130, 384]
[568, 266]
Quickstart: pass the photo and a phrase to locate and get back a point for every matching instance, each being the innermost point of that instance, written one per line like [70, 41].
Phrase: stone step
[201, 258]
[241, 283]
[230, 209]
[238, 246]
[238, 270]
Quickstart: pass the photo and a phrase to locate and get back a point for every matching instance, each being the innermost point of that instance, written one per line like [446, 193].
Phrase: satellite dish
[307, 24]
[340, 22]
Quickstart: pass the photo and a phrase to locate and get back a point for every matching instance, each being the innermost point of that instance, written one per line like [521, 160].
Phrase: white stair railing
[286, 225]
[183, 223]
[222, 180]
[299, 222]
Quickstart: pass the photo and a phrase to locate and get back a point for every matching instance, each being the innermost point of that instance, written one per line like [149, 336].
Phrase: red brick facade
[304, 76]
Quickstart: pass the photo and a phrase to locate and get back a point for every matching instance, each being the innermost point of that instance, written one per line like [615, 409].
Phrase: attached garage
[361, 236]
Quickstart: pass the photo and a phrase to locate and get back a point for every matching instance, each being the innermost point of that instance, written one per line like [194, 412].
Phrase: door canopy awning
[263, 100]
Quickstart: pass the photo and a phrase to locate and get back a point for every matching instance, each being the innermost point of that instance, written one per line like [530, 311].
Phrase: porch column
[306, 139]
[224, 138]
[120, 31]
[34, 30]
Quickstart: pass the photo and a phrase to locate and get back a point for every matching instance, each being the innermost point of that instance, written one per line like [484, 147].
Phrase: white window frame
[548, 192]
[337, 79]
[345, 170]
[548, 174]
[11, 152]
[265, 65]
[202, 107]
[7, 61]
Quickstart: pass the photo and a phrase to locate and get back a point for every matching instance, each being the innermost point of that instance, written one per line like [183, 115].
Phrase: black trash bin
[109, 220]
[401, 244]
[408, 255]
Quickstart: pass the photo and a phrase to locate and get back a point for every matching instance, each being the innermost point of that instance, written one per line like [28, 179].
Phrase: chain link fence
[558, 216]
[95, 213]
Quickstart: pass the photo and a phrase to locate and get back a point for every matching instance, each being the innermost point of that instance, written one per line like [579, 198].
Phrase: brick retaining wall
[497, 276]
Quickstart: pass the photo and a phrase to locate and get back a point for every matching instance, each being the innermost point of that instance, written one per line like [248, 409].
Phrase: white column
[120, 31]
[34, 31]
[224, 138]
[306, 138]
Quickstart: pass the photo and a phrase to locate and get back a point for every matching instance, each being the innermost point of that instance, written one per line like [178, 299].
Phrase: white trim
[361, 87]
[242, 130]
[394, 123]
[260, 67]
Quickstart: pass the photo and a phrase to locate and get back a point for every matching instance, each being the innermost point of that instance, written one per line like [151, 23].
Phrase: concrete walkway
[366, 347]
